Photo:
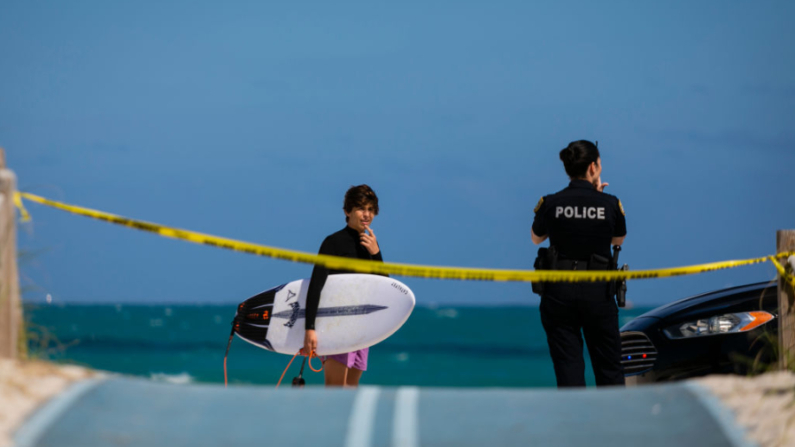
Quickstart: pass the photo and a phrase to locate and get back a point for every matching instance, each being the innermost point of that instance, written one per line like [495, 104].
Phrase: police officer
[581, 222]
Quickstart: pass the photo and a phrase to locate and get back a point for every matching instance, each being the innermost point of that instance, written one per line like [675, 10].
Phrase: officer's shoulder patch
[621, 207]
[538, 205]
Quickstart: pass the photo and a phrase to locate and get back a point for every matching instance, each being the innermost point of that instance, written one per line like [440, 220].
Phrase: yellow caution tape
[787, 277]
[25, 216]
[420, 271]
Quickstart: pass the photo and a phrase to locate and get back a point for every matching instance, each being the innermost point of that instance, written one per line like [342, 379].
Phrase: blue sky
[250, 120]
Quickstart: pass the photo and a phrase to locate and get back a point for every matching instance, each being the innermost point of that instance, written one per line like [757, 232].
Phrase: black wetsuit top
[346, 243]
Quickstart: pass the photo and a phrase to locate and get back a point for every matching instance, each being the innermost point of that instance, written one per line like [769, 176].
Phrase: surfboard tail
[251, 322]
[253, 317]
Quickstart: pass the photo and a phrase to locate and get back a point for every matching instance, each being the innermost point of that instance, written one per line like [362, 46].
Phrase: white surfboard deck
[356, 311]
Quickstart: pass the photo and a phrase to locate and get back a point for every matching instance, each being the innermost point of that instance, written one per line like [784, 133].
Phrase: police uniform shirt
[580, 220]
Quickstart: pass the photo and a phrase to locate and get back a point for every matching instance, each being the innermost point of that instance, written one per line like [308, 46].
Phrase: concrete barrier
[136, 412]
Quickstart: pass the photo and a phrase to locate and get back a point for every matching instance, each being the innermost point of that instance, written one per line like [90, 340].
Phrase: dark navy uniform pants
[571, 310]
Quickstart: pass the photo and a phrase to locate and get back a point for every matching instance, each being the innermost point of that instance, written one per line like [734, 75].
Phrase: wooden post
[785, 241]
[10, 307]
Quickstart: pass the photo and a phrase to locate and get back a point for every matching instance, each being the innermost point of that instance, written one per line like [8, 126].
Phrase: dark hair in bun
[577, 156]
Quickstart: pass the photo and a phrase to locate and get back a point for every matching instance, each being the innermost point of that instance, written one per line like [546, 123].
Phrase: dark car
[731, 330]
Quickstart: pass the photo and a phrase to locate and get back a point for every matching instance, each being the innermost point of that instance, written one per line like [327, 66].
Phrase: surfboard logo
[402, 289]
[290, 294]
[292, 315]
[264, 315]
[296, 312]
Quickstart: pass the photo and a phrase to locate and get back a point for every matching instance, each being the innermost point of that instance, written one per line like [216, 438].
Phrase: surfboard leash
[285, 369]
[300, 352]
[236, 327]
[299, 382]
[228, 344]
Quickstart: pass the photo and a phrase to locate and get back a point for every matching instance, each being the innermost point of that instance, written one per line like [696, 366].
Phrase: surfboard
[356, 311]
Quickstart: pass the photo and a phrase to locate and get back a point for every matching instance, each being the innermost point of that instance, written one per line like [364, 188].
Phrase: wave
[115, 343]
[464, 349]
[176, 379]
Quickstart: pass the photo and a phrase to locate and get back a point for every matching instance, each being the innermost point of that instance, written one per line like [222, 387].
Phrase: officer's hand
[599, 185]
[310, 341]
[369, 241]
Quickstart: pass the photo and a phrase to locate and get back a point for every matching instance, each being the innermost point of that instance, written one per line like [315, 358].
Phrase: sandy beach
[24, 385]
[764, 405]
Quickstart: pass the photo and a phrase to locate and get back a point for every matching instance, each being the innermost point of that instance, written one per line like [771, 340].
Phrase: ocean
[455, 346]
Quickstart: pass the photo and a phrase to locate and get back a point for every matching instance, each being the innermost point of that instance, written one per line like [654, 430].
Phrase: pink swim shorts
[355, 359]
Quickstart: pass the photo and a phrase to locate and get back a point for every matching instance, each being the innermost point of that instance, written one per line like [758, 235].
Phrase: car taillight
[720, 324]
